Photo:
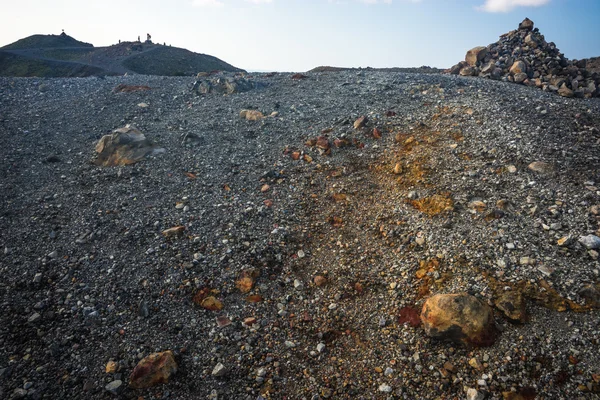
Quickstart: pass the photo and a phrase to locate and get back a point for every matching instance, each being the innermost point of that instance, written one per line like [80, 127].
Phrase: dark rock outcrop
[222, 85]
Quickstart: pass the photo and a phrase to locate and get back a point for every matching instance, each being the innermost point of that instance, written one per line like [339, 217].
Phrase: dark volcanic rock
[222, 85]
[289, 256]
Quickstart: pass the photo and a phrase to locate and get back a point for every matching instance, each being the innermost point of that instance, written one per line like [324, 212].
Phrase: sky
[297, 35]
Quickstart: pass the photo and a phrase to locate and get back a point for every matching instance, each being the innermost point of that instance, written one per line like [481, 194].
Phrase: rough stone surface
[512, 304]
[113, 287]
[124, 146]
[114, 387]
[590, 242]
[526, 25]
[223, 85]
[460, 318]
[541, 167]
[153, 370]
[475, 55]
[251, 115]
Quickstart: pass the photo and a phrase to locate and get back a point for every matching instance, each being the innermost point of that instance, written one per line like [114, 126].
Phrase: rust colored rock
[398, 169]
[361, 122]
[123, 146]
[246, 281]
[176, 231]
[111, 367]
[251, 115]
[409, 315]
[475, 55]
[205, 298]
[512, 304]
[122, 88]
[311, 142]
[448, 366]
[460, 318]
[254, 298]
[320, 280]
[153, 370]
[323, 143]
[299, 76]
[518, 67]
[341, 143]
[211, 303]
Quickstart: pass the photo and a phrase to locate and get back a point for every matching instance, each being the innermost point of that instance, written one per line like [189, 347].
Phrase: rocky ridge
[524, 56]
[63, 56]
[286, 242]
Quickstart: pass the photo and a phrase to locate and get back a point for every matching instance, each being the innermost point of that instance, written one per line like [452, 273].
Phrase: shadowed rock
[459, 318]
[222, 85]
[153, 370]
[122, 88]
[526, 25]
[475, 55]
[512, 305]
[123, 147]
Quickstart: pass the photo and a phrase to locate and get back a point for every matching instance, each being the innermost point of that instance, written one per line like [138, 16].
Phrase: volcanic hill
[63, 56]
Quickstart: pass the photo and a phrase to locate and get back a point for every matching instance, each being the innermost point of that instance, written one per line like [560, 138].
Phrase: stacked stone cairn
[523, 56]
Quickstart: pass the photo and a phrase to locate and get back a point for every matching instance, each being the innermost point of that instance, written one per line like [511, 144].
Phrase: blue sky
[297, 35]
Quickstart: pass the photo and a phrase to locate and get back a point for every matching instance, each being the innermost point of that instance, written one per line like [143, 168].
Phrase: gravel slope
[88, 277]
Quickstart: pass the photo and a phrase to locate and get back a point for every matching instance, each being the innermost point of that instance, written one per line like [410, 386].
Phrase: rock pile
[523, 56]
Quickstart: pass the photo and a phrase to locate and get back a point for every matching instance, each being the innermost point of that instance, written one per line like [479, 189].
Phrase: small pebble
[114, 387]
[219, 370]
[385, 388]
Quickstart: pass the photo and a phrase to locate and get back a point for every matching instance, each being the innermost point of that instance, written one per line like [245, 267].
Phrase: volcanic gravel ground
[439, 200]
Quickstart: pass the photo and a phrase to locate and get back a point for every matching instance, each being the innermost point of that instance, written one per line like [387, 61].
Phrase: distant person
[148, 37]
[139, 39]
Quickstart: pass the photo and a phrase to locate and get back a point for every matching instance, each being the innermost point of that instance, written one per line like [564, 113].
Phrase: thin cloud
[498, 6]
[259, 1]
[376, 1]
[208, 3]
[383, 1]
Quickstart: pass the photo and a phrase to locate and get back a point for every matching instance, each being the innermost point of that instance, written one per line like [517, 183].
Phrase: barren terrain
[341, 243]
